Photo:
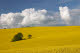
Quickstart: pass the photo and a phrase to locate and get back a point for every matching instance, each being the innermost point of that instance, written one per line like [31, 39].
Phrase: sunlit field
[61, 39]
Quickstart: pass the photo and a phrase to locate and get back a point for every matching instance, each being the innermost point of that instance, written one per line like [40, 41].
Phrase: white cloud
[29, 17]
[75, 16]
[65, 15]
[32, 17]
[10, 20]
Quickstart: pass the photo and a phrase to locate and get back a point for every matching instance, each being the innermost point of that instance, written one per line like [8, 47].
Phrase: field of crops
[62, 39]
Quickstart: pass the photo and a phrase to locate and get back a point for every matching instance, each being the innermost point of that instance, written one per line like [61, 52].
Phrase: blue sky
[50, 5]
[39, 13]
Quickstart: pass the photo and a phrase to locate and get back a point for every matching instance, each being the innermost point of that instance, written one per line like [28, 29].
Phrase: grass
[65, 39]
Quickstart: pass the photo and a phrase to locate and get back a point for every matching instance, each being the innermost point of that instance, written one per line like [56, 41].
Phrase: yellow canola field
[61, 39]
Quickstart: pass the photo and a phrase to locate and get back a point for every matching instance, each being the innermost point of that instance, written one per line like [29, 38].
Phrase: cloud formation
[75, 17]
[32, 17]
[65, 15]
[29, 17]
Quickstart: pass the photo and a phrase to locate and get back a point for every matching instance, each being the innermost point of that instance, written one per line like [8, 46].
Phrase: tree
[17, 37]
[29, 36]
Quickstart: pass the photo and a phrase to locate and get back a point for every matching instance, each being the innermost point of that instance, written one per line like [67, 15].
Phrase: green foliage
[17, 37]
[29, 36]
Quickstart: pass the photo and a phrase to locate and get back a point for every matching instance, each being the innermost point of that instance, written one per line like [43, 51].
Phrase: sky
[51, 5]
[23, 13]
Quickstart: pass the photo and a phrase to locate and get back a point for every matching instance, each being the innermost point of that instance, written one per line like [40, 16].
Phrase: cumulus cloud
[29, 17]
[65, 15]
[32, 17]
[10, 20]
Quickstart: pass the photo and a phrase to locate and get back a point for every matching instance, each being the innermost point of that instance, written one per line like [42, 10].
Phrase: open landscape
[61, 39]
[39, 26]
